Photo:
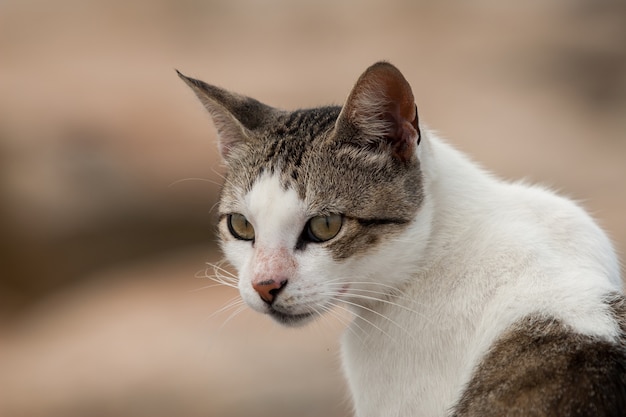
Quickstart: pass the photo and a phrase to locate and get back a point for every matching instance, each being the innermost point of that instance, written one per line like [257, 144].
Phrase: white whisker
[370, 322]
[349, 324]
[219, 174]
[383, 293]
[220, 275]
[206, 287]
[235, 313]
[323, 315]
[232, 303]
[213, 206]
[192, 179]
[352, 294]
[327, 310]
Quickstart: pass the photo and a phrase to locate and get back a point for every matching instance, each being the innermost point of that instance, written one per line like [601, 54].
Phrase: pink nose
[269, 289]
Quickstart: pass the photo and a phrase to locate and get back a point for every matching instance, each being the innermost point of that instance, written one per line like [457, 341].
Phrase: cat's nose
[269, 289]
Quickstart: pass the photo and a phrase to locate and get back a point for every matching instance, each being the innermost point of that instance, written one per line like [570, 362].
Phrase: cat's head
[319, 206]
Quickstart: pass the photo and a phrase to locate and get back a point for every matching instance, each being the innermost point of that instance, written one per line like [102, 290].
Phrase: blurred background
[109, 175]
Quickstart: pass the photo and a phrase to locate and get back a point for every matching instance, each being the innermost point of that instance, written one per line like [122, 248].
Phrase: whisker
[410, 335]
[239, 310]
[329, 311]
[219, 174]
[393, 291]
[232, 303]
[323, 314]
[213, 206]
[221, 281]
[349, 324]
[383, 293]
[370, 322]
[382, 300]
[192, 179]
[218, 267]
[340, 281]
[206, 287]
[220, 275]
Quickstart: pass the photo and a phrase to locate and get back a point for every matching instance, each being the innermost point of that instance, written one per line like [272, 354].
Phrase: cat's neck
[450, 177]
[456, 197]
[456, 190]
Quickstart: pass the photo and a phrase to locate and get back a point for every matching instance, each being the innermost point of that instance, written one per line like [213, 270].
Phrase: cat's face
[317, 204]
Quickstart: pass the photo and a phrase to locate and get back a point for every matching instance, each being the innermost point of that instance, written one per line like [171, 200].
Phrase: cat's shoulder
[551, 217]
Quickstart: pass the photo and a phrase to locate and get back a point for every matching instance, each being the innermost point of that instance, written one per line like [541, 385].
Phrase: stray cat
[471, 296]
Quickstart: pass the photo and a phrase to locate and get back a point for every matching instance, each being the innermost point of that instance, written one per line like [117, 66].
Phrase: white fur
[480, 255]
[497, 252]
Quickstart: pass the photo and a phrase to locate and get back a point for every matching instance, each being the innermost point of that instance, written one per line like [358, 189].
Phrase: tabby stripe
[379, 222]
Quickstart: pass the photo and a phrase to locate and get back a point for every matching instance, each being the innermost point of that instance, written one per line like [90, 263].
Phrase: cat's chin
[291, 320]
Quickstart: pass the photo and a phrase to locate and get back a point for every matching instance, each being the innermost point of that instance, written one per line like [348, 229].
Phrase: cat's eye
[240, 227]
[323, 228]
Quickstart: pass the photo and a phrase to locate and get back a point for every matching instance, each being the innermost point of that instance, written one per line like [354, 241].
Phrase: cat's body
[498, 254]
[472, 297]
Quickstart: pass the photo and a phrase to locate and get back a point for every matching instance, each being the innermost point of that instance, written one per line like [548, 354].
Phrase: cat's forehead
[283, 147]
[329, 174]
[289, 142]
[305, 124]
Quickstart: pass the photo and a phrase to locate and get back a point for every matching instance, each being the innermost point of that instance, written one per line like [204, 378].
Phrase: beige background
[103, 308]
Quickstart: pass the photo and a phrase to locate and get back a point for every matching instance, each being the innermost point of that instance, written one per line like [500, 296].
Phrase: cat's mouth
[290, 319]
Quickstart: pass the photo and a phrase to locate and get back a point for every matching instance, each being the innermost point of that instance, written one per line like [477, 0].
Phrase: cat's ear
[235, 116]
[381, 111]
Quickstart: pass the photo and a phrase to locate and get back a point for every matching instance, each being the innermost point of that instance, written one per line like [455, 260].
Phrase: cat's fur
[472, 296]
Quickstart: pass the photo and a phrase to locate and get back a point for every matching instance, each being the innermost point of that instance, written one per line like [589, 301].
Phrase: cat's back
[538, 253]
[561, 236]
[494, 225]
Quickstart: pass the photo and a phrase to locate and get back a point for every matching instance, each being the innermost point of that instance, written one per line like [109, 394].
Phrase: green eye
[240, 227]
[323, 228]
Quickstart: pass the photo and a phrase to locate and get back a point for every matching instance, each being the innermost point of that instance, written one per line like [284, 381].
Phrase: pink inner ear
[382, 105]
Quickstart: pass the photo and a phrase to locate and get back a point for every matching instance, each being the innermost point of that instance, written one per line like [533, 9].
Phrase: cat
[471, 296]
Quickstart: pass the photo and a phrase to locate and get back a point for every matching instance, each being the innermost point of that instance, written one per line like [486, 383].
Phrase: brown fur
[541, 368]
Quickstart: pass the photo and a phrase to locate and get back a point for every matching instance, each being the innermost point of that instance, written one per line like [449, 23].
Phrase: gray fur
[334, 165]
